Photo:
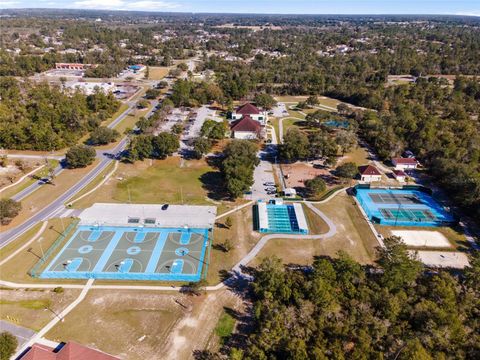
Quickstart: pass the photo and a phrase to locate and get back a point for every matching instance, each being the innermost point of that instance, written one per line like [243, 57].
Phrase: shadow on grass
[214, 184]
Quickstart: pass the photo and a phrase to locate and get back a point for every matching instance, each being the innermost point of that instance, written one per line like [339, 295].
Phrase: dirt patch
[296, 174]
[144, 325]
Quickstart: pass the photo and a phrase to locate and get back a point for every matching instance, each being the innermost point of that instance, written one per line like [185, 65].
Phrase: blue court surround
[124, 269]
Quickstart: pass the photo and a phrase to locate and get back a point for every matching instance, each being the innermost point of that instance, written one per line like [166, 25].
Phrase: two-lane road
[106, 156]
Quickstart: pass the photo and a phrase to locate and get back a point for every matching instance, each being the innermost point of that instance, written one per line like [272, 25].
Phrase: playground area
[296, 174]
[152, 242]
[402, 207]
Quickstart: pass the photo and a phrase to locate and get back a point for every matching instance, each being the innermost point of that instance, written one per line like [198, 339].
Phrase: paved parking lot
[22, 334]
[280, 110]
[263, 173]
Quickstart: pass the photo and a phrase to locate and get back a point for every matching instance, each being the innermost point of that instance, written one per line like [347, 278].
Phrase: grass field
[16, 269]
[47, 193]
[157, 72]
[353, 236]
[241, 236]
[33, 308]
[173, 181]
[358, 155]
[93, 183]
[225, 327]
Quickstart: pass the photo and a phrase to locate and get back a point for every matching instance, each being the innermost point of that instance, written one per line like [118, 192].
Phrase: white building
[404, 163]
[246, 128]
[369, 174]
[252, 111]
[149, 215]
[89, 88]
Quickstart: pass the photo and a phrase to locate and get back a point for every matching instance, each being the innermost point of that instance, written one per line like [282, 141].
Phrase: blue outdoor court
[131, 253]
[402, 207]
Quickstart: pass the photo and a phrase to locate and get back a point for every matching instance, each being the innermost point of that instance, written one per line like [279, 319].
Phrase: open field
[173, 181]
[47, 193]
[34, 308]
[358, 155]
[157, 72]
[93, 183]
[142, 325]
[242, 237]
[16, 269]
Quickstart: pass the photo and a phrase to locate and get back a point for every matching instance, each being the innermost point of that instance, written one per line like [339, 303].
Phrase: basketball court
[132, 253]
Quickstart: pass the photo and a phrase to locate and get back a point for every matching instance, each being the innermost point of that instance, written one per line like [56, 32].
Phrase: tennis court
[402, 207]
[131, 253]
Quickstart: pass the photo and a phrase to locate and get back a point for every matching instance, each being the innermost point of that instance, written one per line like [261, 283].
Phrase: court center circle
[133, 250]
[181, 251]
[85, 249]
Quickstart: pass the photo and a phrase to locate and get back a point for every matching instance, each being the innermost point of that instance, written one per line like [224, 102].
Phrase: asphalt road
[106, 158]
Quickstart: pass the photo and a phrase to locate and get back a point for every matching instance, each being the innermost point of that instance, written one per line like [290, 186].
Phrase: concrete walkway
[56, 319]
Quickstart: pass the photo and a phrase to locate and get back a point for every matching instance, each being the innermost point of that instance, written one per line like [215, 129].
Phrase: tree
[315, 186]
[80, 156]
[9, 208]
[240, 160]
[177, 129]
[152, 94]
[312, 101]
[213, 130]
[400, 268]
[164, 144]
[227, 245]
[201, 146]
[102, 136]
[182, 66]
[295, 145]
[343, 108]
[228, 222]
[8, 345]
[347, 170]
[346, 140]
[265, 101]
[142, 104]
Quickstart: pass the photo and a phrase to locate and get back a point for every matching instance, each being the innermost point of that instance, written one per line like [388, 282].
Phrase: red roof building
[369, 173]
[404, 163]
[246, 128]
[248, 109]
[70, 351]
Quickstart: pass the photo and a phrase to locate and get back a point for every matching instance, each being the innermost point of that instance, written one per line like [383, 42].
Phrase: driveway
[22, 334]
[279, 110]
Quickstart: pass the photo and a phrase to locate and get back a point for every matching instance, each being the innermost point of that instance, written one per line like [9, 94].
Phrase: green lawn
[225, 326]
[36, 304]
[174, 181]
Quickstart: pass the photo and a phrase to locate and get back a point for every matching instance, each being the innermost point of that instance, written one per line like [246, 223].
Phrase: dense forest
[43, 117]
[339, 309]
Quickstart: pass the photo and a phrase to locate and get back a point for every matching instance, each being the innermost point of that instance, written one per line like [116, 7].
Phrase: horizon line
[248, 13]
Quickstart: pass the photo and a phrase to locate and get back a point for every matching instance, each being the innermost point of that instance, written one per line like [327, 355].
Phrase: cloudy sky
[457, 7]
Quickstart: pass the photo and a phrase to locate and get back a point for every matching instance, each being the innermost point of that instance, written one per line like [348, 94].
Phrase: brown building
[70, 351]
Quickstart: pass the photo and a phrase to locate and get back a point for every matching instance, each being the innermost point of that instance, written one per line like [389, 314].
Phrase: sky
[452, 7]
